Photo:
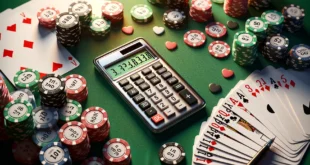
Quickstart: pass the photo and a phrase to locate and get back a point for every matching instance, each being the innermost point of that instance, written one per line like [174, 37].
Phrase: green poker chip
[27, 78]
[273, 17]
[71, 112]
[18, 111]
[245, 39]
[256, 25]
[100, 24]
[141, 13]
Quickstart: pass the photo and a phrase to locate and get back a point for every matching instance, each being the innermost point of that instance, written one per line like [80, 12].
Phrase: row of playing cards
[271, 103]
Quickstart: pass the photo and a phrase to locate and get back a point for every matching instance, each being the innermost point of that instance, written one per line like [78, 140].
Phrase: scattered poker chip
[227, 73]
[47, 17]
[275, 21]
[128, 30]
[215, 88]
[43, 137]
[68, 29]
[219, 49]
[70, 112]
[257, 26]
[276, 47]
[293, 18]
[171, 45]
[76, 87]
[260, 4]
[25, 152]
[55, 153]
[216, 30]
[83, 9]
[27, 79]
[45, 118]
[141, 13]
[174, 18]
[93, 161]
[299, 57]
[24, 94]
[235, 8]
[171, 153]
[113, 11]
[201, 10]
[194, 38]
[99, 27]
[117, 151]
[232, 24]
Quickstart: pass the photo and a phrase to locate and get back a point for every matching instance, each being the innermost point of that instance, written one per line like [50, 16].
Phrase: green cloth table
[196, 65]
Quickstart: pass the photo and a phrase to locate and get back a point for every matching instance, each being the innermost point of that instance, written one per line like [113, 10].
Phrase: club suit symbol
[217, 136]
[307, 109]
[269, 108]
[226, 121]
[233, 118]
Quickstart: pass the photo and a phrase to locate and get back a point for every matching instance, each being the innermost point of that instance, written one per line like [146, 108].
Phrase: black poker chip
[171, 153]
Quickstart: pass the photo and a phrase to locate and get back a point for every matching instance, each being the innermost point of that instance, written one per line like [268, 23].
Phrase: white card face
[204, 161]
[300, 75]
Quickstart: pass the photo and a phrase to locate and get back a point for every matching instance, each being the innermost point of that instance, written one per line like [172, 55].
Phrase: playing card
[203, 161]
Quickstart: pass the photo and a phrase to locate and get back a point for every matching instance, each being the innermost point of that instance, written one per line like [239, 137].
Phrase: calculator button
[156, 99]
[132, 92]
[188, 97]
[144, 86]
[127, 87]
[138, 99]
[157, 65]
[140, 81]
[155, 80]
[135, 77]
[150, 76]
[157, 119]
[169, 113]
[150, 92]
[167, 93]
[146, 71]
[144, 105]
[150, 112]
[180, 106]
[123, 82]
[166, 75]
[160, 87]
[161, 70]
[173, 100]
[172, 81]
[178, 87]
[162, 105]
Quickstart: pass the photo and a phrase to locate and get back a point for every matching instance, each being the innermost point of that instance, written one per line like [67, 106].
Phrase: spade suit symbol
[270, 110]
[276, 86]
[245, 100]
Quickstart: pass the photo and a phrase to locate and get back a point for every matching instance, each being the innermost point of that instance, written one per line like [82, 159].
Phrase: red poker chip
[93, 160]
[68, 139]
[219, 49]
[102, 121]
[110, 149]
[50, 19]
[108, 12]
[26, 152]
[200, 7]
[194, 38]
[75, 84]
[216, 29]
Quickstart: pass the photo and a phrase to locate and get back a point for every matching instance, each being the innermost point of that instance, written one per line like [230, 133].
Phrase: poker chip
[84, 10]
[141, 13]
[216, 30]
[172, 4]
[55, 153]
[45, 118]
[276, 47]
[260, 4]
[96, 121]
[68, 29]
[99, 27]
[258, 27]
[174, 18]
[52, 91]
[275, 21]
[194, 38]
[24, 94]
[299, 57]
[293, 18]
[43, 137]
[117, 151]
[27, 79]
[25, 152]
[219, 49]
[76, 87]
[70, 112]
[93, 161]
[201, 10]
[171, 153]
[74, 136]
[47, 17]
[113, 11]
[236, 8]
[5, 98]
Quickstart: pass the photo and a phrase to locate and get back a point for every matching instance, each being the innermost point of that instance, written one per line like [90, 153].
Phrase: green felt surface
[194, 64]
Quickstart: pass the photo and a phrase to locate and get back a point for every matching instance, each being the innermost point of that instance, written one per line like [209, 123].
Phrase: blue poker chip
[45, 118]
[42, 137]
[55, 153]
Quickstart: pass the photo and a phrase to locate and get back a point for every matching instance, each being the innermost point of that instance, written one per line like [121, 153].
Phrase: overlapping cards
[271, 103]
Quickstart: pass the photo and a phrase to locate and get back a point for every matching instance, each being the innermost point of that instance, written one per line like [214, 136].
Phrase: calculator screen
[131, 63]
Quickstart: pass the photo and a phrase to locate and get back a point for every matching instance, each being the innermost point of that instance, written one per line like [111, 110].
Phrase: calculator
[154, 90]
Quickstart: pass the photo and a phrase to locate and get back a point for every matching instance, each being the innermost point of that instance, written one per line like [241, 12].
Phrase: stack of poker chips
[299, 57]
[99, 27]
[244, 49]
[45, 118]
[257, 26]
[236, 8]
[201, 10]
[27, 79]
[84, 10]
[68, 29]
[174, 18]
[276, 47]
[293, 18]
[113, 11]
[260, 4]
[43, 137]
[55, 153]
[141, 13]
[97, 123]
[117, 151]
[52, 91]
[275, 21]
[18, 120]
[70, 112]
[47, 17]
[173, 4]
[5, 98]
[74, 136]
[25, 152]
[24, 94]
[76, 87]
